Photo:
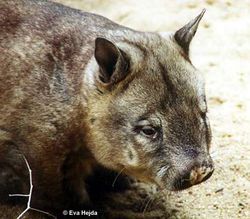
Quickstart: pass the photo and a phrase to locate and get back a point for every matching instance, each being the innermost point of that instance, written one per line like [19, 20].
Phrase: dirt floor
[221, 50]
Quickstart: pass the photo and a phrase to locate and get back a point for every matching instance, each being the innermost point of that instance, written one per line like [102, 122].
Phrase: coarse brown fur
[78, 91]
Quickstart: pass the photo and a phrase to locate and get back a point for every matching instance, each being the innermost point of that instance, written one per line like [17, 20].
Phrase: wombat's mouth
[195, 177]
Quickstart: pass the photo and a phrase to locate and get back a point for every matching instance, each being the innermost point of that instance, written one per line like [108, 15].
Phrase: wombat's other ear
[185, 35]
[113, 62]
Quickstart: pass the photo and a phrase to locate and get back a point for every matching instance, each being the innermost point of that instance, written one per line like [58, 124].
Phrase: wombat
[80, 92]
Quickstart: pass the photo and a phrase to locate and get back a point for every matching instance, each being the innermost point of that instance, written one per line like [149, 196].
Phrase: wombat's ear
[113, 62]
[185, 35]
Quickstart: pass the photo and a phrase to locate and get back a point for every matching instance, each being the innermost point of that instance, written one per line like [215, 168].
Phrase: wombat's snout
[195, 175]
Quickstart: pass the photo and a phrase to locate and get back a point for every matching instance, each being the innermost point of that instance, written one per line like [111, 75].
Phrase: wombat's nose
[197, 175]
[200, 174]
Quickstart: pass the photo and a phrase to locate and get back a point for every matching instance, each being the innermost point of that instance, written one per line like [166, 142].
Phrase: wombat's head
[148, 113]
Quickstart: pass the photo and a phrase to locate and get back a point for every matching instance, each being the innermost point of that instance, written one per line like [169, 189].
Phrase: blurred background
[221, 51]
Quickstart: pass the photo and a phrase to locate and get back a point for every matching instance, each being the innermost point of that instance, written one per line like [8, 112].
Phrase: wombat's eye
[149, 132]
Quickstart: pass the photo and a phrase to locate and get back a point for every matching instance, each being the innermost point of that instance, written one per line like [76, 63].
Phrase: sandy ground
[221, 50]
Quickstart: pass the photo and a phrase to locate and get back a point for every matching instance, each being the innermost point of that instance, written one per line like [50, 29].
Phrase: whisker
[150, 200]
[163, 171]
[113, 184]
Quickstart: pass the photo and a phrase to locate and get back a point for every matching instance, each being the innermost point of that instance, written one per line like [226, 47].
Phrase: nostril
[211, 166]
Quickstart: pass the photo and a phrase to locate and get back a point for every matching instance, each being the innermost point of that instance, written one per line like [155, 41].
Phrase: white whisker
[113, 184]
